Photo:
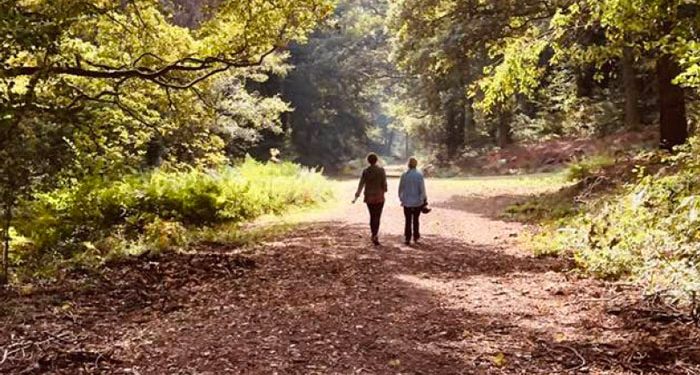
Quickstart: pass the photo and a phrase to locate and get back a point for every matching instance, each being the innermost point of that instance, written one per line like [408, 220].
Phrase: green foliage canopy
[341, 80]
[100, 87]
[650, 28]
[134, 74]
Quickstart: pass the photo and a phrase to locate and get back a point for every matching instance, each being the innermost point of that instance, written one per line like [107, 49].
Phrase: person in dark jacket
[413, 199]
[373, 182]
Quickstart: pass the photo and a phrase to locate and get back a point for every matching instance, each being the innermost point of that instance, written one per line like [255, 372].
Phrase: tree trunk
[408, 149]
[456, 120]
[449, 133]
[585, 81]
[631, 86]
[460, 125]
[673, 121]
[469, 121]
[504, 135]
[525, 106]
[4, 277]
[389, 143]
[285, 117]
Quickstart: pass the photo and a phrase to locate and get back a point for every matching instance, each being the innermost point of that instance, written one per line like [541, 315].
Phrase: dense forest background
[459, 77]
[450, 78]
[340, 91]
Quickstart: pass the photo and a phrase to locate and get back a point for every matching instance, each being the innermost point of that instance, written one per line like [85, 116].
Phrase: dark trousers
[375, 216]
[412, 222]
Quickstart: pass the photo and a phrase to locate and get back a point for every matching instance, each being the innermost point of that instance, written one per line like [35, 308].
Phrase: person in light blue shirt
[413, 198]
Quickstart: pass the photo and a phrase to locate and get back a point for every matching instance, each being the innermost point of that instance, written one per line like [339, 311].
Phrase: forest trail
[322, 300]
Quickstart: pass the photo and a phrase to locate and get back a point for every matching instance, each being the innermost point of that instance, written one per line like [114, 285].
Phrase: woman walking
[413, 199]
[373, 182]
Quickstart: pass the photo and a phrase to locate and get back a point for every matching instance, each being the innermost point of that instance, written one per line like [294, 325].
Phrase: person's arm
[423, 194]
[402, 184]
[361, 185]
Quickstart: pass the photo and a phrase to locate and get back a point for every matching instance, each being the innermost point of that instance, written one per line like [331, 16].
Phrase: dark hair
[372, 158]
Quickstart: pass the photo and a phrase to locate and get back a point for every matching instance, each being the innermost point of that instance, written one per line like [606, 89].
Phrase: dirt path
[321, 300]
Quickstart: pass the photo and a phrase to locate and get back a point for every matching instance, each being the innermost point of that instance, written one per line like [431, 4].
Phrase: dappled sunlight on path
[322, 300]
[466, 300]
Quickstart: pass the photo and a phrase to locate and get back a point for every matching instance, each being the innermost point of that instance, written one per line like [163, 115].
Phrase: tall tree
[631, 87]
[446, 45]
[658, 30]
[90, 85]
[525, 46]
[340, 81]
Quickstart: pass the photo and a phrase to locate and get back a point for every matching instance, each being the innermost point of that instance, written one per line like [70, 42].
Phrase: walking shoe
[375, 240]
[408, 241]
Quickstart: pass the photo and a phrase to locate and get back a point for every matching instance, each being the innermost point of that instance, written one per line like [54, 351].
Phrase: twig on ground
[578, 301]
[580, 357]
[4, 357]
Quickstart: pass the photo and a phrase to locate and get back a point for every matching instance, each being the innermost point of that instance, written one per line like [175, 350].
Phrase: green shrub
[553, 241]
[99, 218]
[164, 235]
[650, 232]
[589, 166]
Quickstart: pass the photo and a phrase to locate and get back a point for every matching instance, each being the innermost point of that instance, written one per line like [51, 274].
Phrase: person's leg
[370, 208]
[375, 219]
[416, 224]
[378, 218]
[407, 227]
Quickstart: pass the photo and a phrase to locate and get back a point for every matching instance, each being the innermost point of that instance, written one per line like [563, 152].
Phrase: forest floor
[553, 154]
[321, 300]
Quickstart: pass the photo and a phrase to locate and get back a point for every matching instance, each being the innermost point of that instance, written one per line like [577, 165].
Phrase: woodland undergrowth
[645, 229]
[98, 220]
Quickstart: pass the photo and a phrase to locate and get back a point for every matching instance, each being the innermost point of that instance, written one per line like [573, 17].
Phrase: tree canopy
[100, 87]
[506, 54]
[129, 66]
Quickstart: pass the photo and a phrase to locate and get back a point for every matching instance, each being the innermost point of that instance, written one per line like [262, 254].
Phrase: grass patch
[545, 207]
[589, 166]
[531, 183]
[98, 220]
[581, 185]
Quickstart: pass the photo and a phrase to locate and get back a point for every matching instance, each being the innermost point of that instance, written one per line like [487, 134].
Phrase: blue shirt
[412, 189]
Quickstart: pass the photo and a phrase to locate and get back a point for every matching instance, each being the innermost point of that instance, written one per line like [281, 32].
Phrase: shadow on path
[323, 301]
[490, 206]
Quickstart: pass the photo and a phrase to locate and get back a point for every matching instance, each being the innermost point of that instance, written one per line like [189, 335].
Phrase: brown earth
[321, 300]
[553, 154]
